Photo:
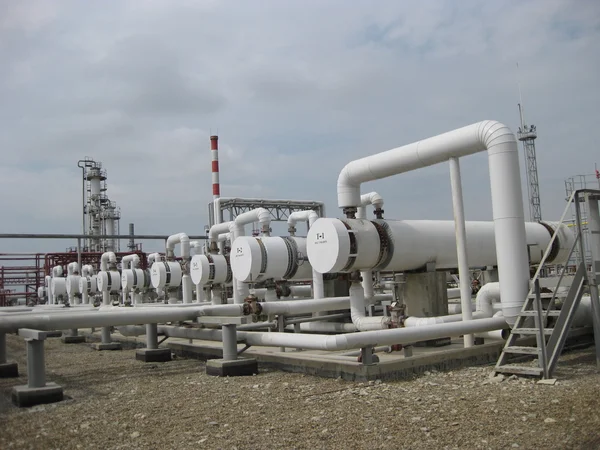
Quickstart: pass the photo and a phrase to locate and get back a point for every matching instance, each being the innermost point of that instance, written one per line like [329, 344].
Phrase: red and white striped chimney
[214, 150]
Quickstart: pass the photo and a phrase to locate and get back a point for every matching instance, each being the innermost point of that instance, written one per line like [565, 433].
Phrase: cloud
[295, 89]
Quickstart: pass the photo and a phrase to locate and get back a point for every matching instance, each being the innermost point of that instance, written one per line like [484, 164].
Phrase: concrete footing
[73, 339]
[110, 346]
[30, 396]
[234, 368]
[153, 354]
[9, 370]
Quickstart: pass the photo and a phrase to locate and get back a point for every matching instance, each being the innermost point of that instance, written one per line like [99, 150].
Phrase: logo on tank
[320, 238]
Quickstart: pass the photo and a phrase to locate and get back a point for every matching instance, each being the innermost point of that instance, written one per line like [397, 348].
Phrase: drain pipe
[372, 198]
[310, 216]
[507, 201]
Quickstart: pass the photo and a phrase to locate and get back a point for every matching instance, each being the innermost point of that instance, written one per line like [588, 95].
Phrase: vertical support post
[105, 335]
[151, 336]
[461, 246]
[366, 354]
[541, 337]
[281, 328]
[79, 254]
[229, 342]
[594, 230]
[36, 365]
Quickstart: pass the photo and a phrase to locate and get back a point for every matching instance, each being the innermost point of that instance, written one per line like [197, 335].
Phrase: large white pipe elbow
[302, 216]
[357, 311]
[507, 201]
[179, 238]
[72, 268]
[152, 258]
[106, 258]
[218, 229]
[130, 261]
[485, 297]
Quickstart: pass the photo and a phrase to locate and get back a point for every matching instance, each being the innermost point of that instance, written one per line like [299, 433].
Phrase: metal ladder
[550, 341]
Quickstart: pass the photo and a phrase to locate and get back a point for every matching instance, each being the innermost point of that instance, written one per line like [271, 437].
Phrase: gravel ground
[117, 402]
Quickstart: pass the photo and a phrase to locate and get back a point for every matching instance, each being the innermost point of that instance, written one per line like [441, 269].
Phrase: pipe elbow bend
[347, 189]
[492, 133]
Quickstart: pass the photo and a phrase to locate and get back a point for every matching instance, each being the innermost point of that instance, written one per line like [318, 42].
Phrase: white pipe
[106, 258]
[424, 321]
[302, 216]
[371, 338]
[179, 238]
[130, 261]
[372, 198]
[357, 311]
[461, 245]
[296, 307]
[485, 297]
[187, 292]
[72, 268]
[218, 229]
[152, 258]
[507, 201]
[311, 216]
[87, 270]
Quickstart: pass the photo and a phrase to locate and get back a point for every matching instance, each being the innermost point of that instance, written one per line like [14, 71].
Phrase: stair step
[520, 370]
[551, 313]
[522, 350]
[532, 331]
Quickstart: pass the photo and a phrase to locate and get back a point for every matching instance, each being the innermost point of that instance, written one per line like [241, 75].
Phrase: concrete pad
[111, 346]
[153, 354]
[9, 370]
[23, 396]
[73, 339]
[237, 368]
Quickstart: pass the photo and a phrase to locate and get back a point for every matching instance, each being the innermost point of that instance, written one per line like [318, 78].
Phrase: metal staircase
[539, 317]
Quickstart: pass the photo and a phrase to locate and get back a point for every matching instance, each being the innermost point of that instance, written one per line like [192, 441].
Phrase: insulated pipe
[371, 338]
[372, 198]
[461, 246]
[485, 297]
[301, 216]
[311, 216]
[290, 308]
[357, 311]
[153, 257]
[507, 201]
[107, 257]
[130, 261]
[217, 230]
[179, 238]
[105, 319]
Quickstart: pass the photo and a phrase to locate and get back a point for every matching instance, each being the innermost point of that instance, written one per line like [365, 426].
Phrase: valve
[253, 305]
[378, 213]
[397, 313]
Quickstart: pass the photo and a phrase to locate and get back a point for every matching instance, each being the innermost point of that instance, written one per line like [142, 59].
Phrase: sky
[294, 89]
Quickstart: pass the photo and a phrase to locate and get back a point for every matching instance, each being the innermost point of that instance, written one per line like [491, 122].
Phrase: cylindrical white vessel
[59, 286]
[132, 279]
[95, 185]
[210, 269]
[72, 284]
[335, 245]
[109, 281]
[88, 284]
[270, 257]
[166, 274]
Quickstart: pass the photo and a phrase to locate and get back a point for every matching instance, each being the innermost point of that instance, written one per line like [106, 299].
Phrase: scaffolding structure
[576, 183]
[527, 134]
